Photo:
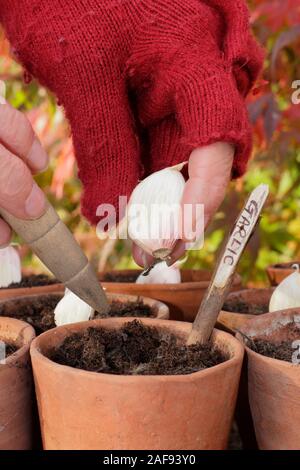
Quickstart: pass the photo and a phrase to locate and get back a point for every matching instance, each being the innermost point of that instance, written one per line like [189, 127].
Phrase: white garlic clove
[287, 294]
[71, 309]
[10, 266]
[154, 212]
[161, 273]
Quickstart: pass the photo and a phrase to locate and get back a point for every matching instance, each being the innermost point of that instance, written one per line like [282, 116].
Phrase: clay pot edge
[237, 351]
[267, 360]
[28, 335]
[163, 311]
[191, 285]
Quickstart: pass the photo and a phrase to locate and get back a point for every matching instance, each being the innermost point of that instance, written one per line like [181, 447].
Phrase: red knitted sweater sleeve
[143, 82]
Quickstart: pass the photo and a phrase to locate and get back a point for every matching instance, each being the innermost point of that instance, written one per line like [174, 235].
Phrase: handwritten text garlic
[154, 212]
[287, 293]
[161, 273]
[71, 309]
[10, 266]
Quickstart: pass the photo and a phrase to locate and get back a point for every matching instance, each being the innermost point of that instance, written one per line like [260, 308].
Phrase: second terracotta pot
[182, 299]
[243, 305]
[12, 293]
[274, 385]
[104, 411]
[14, 308]
[16, 405]
[278, 272]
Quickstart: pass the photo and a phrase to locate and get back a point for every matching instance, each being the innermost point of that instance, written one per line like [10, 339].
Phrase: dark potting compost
[282, 350]
[34, 280]
[120, 277]
[238, 306]
[39, 312]
[128, 309]
[134, 349]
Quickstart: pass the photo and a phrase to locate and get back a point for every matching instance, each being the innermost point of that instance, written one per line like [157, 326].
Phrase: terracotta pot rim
[190, 285]
[163, 310]
[47, 286]
[28, 335]
[237, 352]
[281, 266]
[241, 292]
[268, 360]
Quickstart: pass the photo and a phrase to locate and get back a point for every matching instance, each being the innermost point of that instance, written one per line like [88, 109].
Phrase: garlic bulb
[154, 212]
[71, 309]
[287, 293]
[161, 273]
[10, 266]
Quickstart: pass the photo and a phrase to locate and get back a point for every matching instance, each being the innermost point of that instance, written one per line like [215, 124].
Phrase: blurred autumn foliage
[276, 157]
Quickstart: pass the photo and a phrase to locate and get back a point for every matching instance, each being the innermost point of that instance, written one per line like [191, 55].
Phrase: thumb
[209, 174]
[19, 194]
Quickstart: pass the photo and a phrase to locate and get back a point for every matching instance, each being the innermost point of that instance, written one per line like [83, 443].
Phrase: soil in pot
[134, 349]
[243, 305]
[119, 276]
[33, 280]
[238, 306]
[282, 350]
[39, 312]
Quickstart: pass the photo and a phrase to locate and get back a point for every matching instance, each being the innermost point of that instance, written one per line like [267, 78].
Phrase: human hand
[21, 156]
[209, 171]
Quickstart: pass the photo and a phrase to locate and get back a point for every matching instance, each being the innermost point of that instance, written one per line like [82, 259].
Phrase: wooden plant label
[221, 281]
[241, 234]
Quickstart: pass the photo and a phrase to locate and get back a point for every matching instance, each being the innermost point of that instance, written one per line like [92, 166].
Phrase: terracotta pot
[160, 310]
[183, 299]
[274, 385]
[16, 412]
[105, 411]
[232, 321]
[278, 272]
[24, 291]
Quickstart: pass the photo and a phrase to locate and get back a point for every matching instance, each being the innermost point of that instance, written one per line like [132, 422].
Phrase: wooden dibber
[223, 275]
[56, 247]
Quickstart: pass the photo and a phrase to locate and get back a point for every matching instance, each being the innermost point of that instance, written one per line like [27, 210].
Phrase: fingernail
[2, 100]
[37, 157]
[35, 203]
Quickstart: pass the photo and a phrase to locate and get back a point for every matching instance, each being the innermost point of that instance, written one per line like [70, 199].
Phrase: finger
[5, 234]
[17, 135]
[19, 194]
[178, 252]
[141, 258]
[209, 174]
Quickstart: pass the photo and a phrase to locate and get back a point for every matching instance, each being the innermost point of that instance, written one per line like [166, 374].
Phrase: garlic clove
[10, 266]
[154, 212]
[287, 294]
[161, 273]
[71, 309]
